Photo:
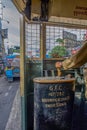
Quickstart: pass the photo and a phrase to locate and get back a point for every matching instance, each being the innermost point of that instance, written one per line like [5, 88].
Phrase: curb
[14, 121]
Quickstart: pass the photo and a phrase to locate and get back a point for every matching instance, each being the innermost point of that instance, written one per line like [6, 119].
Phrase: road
[7, 94]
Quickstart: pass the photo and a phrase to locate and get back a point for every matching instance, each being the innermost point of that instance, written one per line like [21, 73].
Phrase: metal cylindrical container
[53, 103]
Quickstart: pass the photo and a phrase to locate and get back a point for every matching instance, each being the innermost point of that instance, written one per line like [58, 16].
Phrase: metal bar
[62, 24]
[52, 71]
[42, 46]
[22, 72]
[46, 73]
[43, 42]
[3, 47]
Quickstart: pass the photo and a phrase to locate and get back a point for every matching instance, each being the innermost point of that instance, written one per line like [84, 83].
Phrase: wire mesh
[63, 40]
[32, 40]
[59, 38]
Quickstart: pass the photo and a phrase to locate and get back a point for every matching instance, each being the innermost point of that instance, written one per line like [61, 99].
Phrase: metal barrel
[53, 103]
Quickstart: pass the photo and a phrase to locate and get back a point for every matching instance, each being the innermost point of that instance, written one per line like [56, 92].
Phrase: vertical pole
[22, 72]
[43, 40]
[3, 49]
[43, 45]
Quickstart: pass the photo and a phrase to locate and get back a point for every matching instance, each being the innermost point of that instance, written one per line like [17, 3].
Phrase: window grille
[32, 40]
[70, 38]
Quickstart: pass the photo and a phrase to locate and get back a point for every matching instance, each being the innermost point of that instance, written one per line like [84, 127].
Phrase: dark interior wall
[33, 69]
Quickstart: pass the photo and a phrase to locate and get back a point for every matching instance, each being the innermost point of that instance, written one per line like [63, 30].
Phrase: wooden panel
[20, 4]
[36, 6]
[69, 8]
[59, 8]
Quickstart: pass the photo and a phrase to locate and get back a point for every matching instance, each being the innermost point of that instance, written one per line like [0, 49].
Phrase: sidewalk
[14, 121]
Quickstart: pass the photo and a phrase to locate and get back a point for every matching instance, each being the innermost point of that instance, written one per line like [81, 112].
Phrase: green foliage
[59, 40]
[58, 51]
[16, 51]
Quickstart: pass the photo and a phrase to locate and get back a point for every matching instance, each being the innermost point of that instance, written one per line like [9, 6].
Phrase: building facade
[0, 38]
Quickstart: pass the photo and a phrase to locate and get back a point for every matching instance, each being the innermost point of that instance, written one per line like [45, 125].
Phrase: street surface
[7, 95]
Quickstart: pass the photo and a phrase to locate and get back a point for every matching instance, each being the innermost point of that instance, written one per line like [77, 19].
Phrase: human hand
[58, 64]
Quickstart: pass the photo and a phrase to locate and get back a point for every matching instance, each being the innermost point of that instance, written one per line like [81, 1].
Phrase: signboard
[53, 104]
[5, 33]
[69, 8]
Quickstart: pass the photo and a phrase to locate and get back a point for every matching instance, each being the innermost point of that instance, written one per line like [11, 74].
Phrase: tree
[16, 49]
[61, 41]
[58, 51]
